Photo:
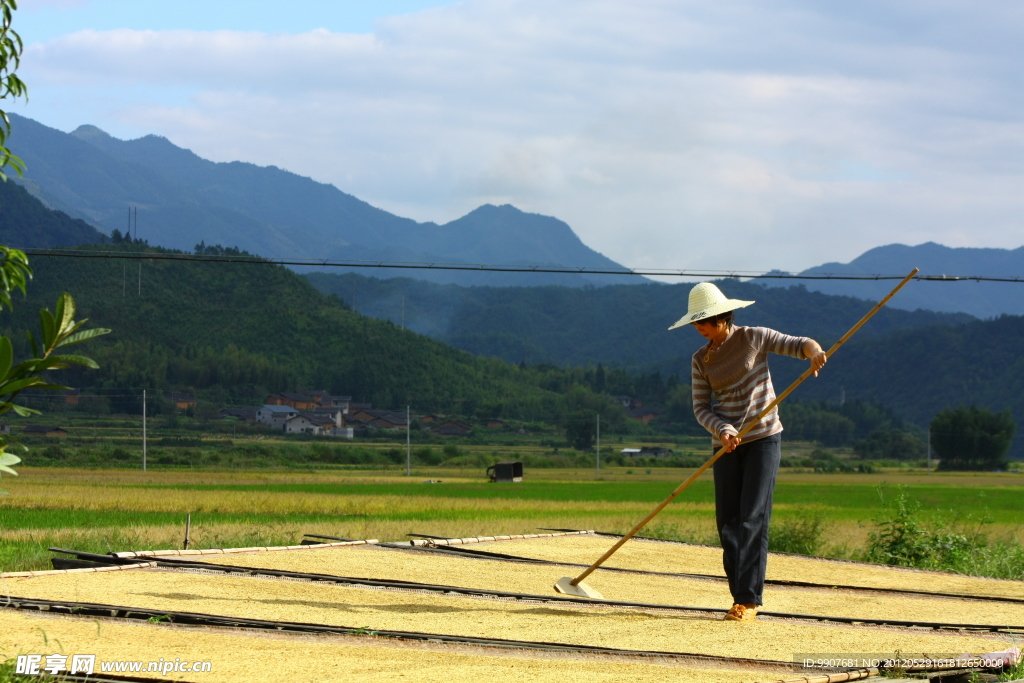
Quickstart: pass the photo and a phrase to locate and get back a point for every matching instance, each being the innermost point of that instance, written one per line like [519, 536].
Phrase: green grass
[814, 514]
[63, 518]
[1003, 504]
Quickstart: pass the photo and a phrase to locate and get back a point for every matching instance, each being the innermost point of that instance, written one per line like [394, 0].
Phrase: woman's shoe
[741, 613]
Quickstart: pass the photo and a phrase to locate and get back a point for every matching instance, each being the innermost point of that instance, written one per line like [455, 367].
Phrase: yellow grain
[418, 566]
[428, 613]
[238, 657]
[674, 557]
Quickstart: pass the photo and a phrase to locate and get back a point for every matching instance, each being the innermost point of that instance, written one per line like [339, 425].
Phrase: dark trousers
[744, 483]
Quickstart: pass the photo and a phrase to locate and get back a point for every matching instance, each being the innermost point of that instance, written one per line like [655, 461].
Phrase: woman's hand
[730, 441]
[814, 353]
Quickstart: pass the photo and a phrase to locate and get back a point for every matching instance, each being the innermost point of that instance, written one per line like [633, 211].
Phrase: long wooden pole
[693, 477]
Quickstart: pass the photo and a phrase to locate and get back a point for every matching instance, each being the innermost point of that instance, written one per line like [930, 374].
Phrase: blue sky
[747, 135]
[42, 20]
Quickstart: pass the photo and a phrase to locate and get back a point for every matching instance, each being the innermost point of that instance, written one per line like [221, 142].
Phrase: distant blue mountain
[980, 299]
[183, 200]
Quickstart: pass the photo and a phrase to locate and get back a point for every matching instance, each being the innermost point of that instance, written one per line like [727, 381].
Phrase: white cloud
[747, 135]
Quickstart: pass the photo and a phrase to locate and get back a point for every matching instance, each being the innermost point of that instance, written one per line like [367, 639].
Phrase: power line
[505, 268]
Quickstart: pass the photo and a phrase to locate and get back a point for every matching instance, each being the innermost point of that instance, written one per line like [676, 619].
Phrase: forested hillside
[620, 325]
[25, 223]
[920, 371]
[243, 330]
[916, 363]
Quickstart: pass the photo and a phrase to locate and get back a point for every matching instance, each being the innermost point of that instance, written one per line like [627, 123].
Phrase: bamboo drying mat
[289, 600]
[466, 572]
[244, 656]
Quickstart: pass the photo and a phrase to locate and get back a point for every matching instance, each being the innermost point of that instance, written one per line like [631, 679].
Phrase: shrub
[121, 454]
[904, 540]
[803, 535]
[428, 456]
[55, 452]
[672, 532]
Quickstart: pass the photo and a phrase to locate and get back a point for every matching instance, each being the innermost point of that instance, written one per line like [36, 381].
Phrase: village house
[453, 428]
[274, 415]
[245, 413]
[326, 400]
[377, 419]
[317, 424]
[309, 400]
[50, 432]
[296, 400]
[333, 413]
[182, 399]
[303, 423]
[640, 414]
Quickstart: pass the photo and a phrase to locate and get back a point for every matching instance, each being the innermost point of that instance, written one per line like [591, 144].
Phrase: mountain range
[979, 298]
[182, 199]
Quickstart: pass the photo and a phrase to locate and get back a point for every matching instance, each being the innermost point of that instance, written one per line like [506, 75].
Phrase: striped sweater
[736, 376]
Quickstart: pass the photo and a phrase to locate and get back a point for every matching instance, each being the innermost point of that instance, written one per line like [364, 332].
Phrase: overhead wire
[501, 268]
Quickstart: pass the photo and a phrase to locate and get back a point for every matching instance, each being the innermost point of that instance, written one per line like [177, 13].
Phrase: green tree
[58, 329]
[10, 84]
[580, 427]
[972, 438]
[890, 444]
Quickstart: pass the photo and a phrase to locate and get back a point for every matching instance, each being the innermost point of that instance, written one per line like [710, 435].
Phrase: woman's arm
[812, 350]
[798, 347]
[701, 395]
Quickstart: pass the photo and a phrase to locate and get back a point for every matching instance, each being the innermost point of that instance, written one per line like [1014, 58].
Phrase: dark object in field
[506, 472]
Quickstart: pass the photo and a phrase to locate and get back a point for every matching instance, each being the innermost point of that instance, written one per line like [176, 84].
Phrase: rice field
[110, 510]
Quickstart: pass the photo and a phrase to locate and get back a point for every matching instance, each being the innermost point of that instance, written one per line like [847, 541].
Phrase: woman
[733, 368]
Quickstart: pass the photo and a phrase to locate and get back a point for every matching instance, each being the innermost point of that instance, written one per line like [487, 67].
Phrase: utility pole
[929, 449]
[403, 311]
[599, 444]
[143, 430]
[408, 445]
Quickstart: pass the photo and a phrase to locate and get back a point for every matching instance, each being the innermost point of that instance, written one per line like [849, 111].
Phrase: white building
[299, 423]
[275, 416]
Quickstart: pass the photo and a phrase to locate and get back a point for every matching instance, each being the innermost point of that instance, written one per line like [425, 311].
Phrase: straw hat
[707, 300]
